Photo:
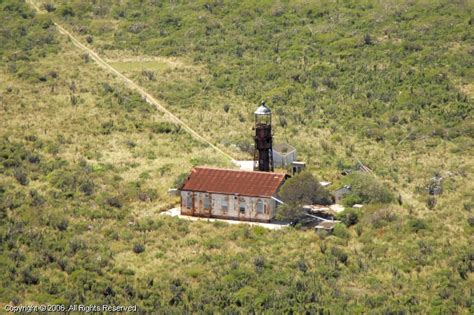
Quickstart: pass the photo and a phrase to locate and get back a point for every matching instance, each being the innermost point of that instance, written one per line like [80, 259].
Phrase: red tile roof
[227, 181]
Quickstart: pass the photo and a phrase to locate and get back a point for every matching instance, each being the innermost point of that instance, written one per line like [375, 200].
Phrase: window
[189, 201]
[224, 205]
[259, 206]
[207, 201]
[242, 206]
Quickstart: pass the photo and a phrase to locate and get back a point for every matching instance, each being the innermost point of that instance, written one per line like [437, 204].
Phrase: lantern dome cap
[263, 110]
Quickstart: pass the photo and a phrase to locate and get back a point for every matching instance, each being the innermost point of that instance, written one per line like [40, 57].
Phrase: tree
[299, 190]
[304, 188]
[369, 189]
[290, 212]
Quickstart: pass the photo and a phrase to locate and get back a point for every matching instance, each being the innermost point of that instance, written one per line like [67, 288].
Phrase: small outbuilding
[341, 192]
[231, 194]
[283, 155]
[297, 167]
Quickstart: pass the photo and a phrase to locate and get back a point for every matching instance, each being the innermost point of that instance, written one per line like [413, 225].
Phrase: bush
[350, 217]
[37, 199]
[62, 225]
[179, 181]
[138, 248]
[34, 159]
[87, 188]
[431, 202]
[340, 255]
[290, 212]
[303, 189]
[76, 245]
[67, 11]
[329, 83]
[21, 177]
[369, 189]
[259, 263]
[417, 225]
[149, 75]
[163, 127]
[114, 202]
[470, 221]
[381, 217]
[49, 7]
[29, 277]
[302, 266]
[466, 265]
[340, 230]
[351, 199]
[367, 39]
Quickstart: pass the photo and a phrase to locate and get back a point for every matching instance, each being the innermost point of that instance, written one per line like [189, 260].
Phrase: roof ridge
[232, 181]
[235, 170]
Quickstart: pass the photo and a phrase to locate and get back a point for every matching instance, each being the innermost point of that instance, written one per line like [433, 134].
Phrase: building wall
[283, 161]
[340, 193]
[216, 207]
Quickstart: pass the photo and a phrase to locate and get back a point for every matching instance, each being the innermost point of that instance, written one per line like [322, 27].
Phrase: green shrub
[67, 11]
[138, 248]
[302, 266]
[163, 127]
[382, 217]
[114, 202]
[369, 189]
[37, 199]
[29, 277]
[431, 202]
[21, 177]
[303, 188]
[62, 225]
[87, 187]
[259, 263]
[340, 230]
[340, 255]
[49, 7]
[179, 181]
[417, 224]
[470, 221]
[350, 217]
[351, 199]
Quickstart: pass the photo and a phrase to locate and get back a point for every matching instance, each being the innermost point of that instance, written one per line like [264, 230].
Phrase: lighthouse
[263, 155]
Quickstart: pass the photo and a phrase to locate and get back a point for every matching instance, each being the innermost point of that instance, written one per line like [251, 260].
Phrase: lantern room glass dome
[263, 110]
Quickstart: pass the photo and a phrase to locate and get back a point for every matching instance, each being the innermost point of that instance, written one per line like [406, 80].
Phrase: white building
[231, 194]
[283, 155]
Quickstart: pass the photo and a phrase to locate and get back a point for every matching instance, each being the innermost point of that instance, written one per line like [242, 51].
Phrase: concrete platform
[176, 212]
[244, 165]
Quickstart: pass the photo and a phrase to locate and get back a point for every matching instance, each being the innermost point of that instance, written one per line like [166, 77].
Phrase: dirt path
[147, 96]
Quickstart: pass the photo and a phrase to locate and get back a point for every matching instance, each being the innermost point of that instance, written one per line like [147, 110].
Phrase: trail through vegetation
[147, 96]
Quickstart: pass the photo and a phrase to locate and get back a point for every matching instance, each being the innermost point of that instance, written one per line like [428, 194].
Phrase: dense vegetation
[302, 189]
[366, 189]
[85, 163]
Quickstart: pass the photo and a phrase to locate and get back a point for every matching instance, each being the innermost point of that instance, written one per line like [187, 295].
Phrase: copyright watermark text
[83, 308]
